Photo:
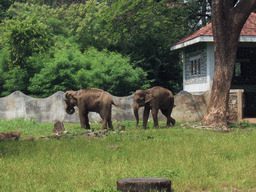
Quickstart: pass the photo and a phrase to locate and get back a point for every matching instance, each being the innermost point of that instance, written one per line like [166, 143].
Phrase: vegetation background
[118, 46]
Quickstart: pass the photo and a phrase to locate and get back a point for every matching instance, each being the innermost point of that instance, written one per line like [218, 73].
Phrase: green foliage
[21, 39]
[70, 69]
[128, 20]
[58, 74]
[4, 5]
[90, 31]
[24, 38]
[144, 30]
[15, 79]
[112, 72]
[38, 36]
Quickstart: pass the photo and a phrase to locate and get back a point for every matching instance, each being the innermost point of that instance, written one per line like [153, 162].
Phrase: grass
[194, 160]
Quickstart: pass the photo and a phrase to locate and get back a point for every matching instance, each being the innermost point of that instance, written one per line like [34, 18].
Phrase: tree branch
[245, 6]
[241, 12]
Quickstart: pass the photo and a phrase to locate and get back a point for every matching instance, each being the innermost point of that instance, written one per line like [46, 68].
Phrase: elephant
[153, 99]
[87, 100]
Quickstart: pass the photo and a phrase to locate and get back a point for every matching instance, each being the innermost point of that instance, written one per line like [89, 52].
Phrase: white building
[198, 62]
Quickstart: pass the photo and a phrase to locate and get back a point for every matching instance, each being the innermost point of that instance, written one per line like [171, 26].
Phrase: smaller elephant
[90, 99]
[153, 99]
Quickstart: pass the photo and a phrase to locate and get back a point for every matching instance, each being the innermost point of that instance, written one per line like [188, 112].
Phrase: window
[195, 67]
[238, 69]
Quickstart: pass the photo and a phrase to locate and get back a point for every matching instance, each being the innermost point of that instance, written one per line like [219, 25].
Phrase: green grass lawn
[194, 160]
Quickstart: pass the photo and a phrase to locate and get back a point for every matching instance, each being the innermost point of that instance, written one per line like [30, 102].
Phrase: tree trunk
[227, 23]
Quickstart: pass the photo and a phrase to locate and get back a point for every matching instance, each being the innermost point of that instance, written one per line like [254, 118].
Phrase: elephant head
[141, 98]
[70, 101]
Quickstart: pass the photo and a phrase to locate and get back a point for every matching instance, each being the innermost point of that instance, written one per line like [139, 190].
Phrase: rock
[120, 127]
[10, 136]
[189, 107]
[58, 127]
[104, 131]
[97, 133]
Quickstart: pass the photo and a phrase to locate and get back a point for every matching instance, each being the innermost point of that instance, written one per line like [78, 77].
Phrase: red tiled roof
[249, 29]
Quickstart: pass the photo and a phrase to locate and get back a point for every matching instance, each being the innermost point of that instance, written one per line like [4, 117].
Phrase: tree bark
[227, 23]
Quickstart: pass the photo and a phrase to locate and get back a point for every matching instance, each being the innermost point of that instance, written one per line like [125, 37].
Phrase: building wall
[198, 83]
[210, 64]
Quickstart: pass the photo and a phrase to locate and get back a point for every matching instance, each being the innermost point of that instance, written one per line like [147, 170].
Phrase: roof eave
[192, 41]
[209, 38]
[247, 38]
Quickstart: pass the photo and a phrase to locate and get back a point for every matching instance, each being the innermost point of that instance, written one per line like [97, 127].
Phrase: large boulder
[189, 107]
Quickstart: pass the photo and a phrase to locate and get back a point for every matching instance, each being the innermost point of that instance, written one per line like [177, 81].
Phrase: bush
[112, 72]
[70, 69]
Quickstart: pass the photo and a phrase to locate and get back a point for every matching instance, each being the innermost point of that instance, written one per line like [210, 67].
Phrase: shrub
[70, 69]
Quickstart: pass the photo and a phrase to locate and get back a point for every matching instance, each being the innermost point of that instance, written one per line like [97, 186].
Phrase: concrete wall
[188, 108]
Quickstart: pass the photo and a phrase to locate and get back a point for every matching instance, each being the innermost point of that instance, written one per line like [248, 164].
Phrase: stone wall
[188, 108]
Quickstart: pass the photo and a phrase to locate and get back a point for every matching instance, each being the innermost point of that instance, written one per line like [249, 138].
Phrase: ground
[250, 120]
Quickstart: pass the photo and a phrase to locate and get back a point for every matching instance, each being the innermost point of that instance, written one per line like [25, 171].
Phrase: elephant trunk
[69, 110]
[136, 114]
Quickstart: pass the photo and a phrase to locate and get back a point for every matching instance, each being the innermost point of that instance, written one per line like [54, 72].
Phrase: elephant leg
[110, 125]
[84, 120]
[167, 114]
[154, 115]
[104, 117]
[145, 117]
[104, 123]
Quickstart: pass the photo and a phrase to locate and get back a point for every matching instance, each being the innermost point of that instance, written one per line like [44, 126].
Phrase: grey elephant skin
[189, 108]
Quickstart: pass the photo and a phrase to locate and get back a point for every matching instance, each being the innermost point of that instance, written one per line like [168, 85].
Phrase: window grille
[195, 67]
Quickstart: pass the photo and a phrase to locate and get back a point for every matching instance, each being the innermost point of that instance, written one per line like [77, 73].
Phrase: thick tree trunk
[218, 104]
[227, 23]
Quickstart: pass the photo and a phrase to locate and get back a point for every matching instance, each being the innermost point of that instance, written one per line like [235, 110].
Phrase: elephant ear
[149, 97]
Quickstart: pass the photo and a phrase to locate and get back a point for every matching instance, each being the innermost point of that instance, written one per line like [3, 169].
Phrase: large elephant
[90, 99]
[154, 99]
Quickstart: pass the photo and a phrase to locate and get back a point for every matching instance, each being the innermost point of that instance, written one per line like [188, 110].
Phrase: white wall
[198, 88]
[210, 65]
